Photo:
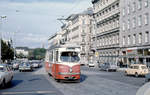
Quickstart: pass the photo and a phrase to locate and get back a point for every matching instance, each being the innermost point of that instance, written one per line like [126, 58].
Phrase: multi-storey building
[135, 31]
[76, 32]
[22, 50]
[55, 39]
[106, 37]
[79, 32]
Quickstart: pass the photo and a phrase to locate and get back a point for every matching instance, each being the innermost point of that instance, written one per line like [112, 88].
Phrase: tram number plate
[70, 77]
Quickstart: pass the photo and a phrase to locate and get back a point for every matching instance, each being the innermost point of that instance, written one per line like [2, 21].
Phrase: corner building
[107, 30]
[135, 31]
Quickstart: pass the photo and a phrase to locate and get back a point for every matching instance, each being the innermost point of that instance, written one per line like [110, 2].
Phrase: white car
[6, 75]
[91, 64]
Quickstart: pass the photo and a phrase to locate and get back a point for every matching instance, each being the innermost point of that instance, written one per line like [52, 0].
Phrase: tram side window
[51, 56]
[57, 56]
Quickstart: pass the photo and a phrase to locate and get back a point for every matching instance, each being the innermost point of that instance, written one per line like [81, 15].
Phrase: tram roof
[64, 46]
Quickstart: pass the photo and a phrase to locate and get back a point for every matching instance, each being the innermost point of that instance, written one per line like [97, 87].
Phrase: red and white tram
[63, 63]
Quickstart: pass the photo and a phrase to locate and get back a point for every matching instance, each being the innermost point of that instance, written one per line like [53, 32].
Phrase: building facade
[22, 50]
[107, 29]
[77, 31]
[135, 31]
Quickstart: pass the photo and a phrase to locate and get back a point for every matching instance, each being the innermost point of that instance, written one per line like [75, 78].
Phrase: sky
[31, 22]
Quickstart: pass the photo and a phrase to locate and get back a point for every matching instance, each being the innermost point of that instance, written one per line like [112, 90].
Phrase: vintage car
[108, 67]
[147, 77]
[91, 64]
[137, 70]
[6, 75]
[25, 66]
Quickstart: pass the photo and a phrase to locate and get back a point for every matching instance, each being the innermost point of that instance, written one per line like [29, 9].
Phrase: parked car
[15, 66]
[91, 64]
[147, 77]
[137, 70]
[108, 67]
[6, 75]
[35, 64]
[25, 66]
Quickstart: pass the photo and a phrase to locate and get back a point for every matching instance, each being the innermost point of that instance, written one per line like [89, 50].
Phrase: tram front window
[69, 57]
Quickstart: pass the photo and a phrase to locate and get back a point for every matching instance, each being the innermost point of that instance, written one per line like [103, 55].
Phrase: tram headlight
[61, 67]
[70, 70]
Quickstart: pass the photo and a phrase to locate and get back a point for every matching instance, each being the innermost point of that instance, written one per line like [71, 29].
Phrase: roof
[89, 11]
[72, 16]
[52, 36]
[95, 1]
[24, 48]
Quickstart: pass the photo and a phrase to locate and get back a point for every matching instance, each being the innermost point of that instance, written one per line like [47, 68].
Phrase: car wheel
[9, 83]
[3, 84]
[125, 73]
[78, 81]
[57, 80]
[136, 75]
[107, 70]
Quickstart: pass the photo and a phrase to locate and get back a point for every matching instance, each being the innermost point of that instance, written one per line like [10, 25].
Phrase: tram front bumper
[69, 76]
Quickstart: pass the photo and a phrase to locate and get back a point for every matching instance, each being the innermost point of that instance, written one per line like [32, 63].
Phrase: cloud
[37, 19]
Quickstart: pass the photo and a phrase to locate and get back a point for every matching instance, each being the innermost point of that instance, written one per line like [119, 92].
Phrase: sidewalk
[121, 69]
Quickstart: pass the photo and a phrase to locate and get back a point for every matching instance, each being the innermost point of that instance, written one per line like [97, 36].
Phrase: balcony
[83, 43]
[83, 34]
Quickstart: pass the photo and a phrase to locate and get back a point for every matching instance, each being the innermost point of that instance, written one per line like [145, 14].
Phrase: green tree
[7, 51]
[37, 54]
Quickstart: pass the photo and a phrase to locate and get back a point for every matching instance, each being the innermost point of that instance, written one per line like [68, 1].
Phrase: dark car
[108, 67]
[147, 78]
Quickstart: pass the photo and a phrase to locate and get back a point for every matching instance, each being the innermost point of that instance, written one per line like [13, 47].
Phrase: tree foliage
[37, 54]
[7, 52]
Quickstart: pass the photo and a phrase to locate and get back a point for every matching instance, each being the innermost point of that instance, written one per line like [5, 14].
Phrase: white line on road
[31, 92]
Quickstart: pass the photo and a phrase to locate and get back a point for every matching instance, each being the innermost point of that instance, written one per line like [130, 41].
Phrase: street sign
[96, 54]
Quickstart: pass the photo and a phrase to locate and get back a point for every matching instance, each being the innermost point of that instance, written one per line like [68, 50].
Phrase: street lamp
[1, 17]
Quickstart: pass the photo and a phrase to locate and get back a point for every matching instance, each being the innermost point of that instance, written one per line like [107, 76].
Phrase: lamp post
[1, 18]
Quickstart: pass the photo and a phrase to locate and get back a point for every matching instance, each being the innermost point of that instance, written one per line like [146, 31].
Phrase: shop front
[136, 56]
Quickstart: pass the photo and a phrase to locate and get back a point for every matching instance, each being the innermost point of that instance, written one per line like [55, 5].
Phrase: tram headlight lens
[61, 67]
[70, 69]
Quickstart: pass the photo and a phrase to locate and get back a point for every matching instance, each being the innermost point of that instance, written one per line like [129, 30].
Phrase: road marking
[31, 92]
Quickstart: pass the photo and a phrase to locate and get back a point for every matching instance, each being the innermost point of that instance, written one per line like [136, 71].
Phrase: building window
[140, 20]
[134, 38]
[134, 7]
[113, 38]
[128, 9]
[117, 39]
[139, 4]
[140, 37]
[146, 37]
[123, 26]
[128, 23]
[83, 21]
[146, 3]
[123, 12]
[123, 40]
[146, 18]
[129, 39]
[134, 22]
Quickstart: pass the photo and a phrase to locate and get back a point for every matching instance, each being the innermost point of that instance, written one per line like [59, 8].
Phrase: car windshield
[69, 57]
[1, 69]
[24, 64]
[143, 67]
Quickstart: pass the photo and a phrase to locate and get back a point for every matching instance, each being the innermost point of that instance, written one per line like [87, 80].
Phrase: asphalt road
[93, 82]
[30, 83]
